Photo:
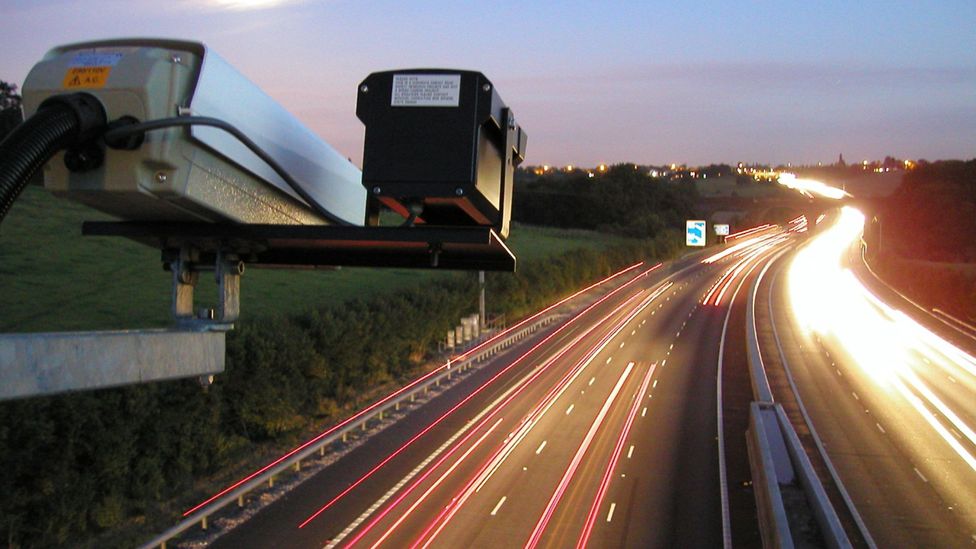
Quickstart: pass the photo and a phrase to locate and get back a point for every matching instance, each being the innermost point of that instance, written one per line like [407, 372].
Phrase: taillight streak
[437, 421]
[574, 464]
[525, 383]
[614, 459]
[547, 309]
[366, 411]
[492, 463]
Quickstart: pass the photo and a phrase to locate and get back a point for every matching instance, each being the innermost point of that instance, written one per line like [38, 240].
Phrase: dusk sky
[591, 82]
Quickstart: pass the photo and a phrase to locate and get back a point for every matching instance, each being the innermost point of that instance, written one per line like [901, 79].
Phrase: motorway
[892, 403]
[602, 431]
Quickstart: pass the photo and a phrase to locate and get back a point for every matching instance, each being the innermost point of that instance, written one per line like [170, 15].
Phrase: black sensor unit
[441, 147]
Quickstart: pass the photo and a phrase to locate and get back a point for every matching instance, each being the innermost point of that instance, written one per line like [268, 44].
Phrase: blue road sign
[695, 232]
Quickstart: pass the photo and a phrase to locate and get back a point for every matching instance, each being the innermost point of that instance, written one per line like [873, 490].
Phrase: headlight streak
[499, 406]
[887, 345]
[366, 411]
[811, 187]
[493, 462]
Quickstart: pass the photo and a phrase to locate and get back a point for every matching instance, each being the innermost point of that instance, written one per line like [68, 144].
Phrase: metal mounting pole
[481, 301]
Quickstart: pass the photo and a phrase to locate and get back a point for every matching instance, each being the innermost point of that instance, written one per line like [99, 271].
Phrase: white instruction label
[426, 90]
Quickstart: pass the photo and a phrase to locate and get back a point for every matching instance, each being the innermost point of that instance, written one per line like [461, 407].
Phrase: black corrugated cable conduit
[61, 122]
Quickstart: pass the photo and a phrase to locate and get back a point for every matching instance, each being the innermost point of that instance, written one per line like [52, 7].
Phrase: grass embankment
[53, 278]
[949, 287]
[106, 468]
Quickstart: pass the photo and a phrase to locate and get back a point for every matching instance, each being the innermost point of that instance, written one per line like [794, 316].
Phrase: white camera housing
[200, 174]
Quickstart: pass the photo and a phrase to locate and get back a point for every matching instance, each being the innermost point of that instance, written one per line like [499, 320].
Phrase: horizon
[697, 84]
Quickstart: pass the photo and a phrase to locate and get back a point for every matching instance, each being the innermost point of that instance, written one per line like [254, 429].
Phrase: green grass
[52, 278]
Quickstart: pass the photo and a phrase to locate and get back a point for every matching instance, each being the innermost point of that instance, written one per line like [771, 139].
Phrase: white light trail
[891, 348]
[811, 187]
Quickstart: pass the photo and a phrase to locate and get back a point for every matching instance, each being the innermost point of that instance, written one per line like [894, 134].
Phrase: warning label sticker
[86, 77]
[426, 90]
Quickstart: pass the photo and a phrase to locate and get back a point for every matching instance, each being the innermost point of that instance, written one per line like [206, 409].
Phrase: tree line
[624, 201]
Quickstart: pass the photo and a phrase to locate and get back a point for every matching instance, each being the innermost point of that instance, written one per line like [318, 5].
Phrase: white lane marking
[592, 379]
[541, 446]
[621, 344]
[632, 332]
[671, 348]
[630, 452]
[613, 506]
[498, 505]
[609, 359]
[920, 475]
[654, 386]
[952, 379]
[644, 411]
[570, 409]
[334, 542]
[643, 321]
[880, 428]
[664, 362]
[855, 396]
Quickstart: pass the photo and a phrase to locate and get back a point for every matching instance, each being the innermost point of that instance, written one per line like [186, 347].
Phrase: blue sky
[592, 82]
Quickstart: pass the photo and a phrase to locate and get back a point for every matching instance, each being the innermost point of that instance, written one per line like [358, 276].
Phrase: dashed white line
[621, 344]
[880, 428]
[952, 379]
[609, 359]
[855, 396]
[613, 506]
[632, 332]
[671, 347]
[592, 379]
[630, 452]
[644, 411]
[654, 386]
[498, 505]
[541, 446]
[920, 475]
[663, 362]
[570, 409]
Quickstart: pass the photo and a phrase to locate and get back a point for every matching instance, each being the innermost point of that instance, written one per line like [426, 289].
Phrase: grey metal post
[481, 300]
